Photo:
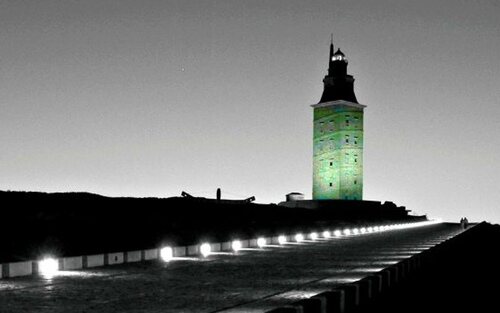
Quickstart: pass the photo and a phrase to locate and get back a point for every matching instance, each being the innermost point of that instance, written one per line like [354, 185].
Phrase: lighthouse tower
[338, 135]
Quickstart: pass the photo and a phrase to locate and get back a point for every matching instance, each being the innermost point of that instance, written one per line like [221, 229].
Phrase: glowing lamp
[299, 237]
[347, 231]
[166, 254]
[236, 245]
[281, 240]
[337, 233]
[326, 234]
[313, 236]
[48, 267]
[205, 249]
[362, 230]
[261, 242]
[355, 231]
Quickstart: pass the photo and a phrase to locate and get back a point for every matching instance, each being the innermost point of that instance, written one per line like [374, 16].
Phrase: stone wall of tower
[338, 152]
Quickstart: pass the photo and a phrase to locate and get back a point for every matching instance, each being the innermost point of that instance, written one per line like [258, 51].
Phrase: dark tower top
[338, 85]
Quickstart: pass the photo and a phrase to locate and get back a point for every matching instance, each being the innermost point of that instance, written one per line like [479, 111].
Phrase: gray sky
[149, 98]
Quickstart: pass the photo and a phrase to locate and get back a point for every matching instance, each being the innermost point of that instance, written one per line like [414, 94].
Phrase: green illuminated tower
[338, 136]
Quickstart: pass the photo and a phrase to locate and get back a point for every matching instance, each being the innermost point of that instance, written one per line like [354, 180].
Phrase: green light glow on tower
[338, 136]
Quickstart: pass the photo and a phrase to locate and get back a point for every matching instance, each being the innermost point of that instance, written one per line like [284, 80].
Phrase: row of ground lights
[49, 266]
[166, 253]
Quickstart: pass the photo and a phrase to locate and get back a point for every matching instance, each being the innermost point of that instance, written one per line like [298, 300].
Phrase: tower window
[331, 163]
[331, 184]
[355, 140]
[347, 139]
[355, 182]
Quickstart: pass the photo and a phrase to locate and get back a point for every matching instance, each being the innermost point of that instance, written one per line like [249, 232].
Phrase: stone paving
[252, 280]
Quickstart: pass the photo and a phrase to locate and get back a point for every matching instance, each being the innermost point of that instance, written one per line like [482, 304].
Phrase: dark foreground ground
[254, 280]
[66, 224]
[465, 278]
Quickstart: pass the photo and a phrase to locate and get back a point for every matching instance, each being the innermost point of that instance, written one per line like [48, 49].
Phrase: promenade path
[252, 280]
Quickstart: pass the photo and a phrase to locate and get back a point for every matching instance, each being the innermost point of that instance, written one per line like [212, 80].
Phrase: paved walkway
[252, 280]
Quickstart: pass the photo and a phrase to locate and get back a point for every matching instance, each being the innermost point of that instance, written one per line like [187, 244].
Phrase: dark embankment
[462, 278]
[63, 224]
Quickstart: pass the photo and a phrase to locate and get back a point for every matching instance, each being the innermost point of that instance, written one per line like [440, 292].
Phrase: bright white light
[313, 236]
[376, 228]
[418, 224]
[326, 234]
[299, 237]
[337, 233]
[355, 231]
[236, 245]
[205, 249]
[362, 230]
[281, 240]
[261, 242]
[166, 254]
[370, 229]
[48, 267]
[347, 231]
